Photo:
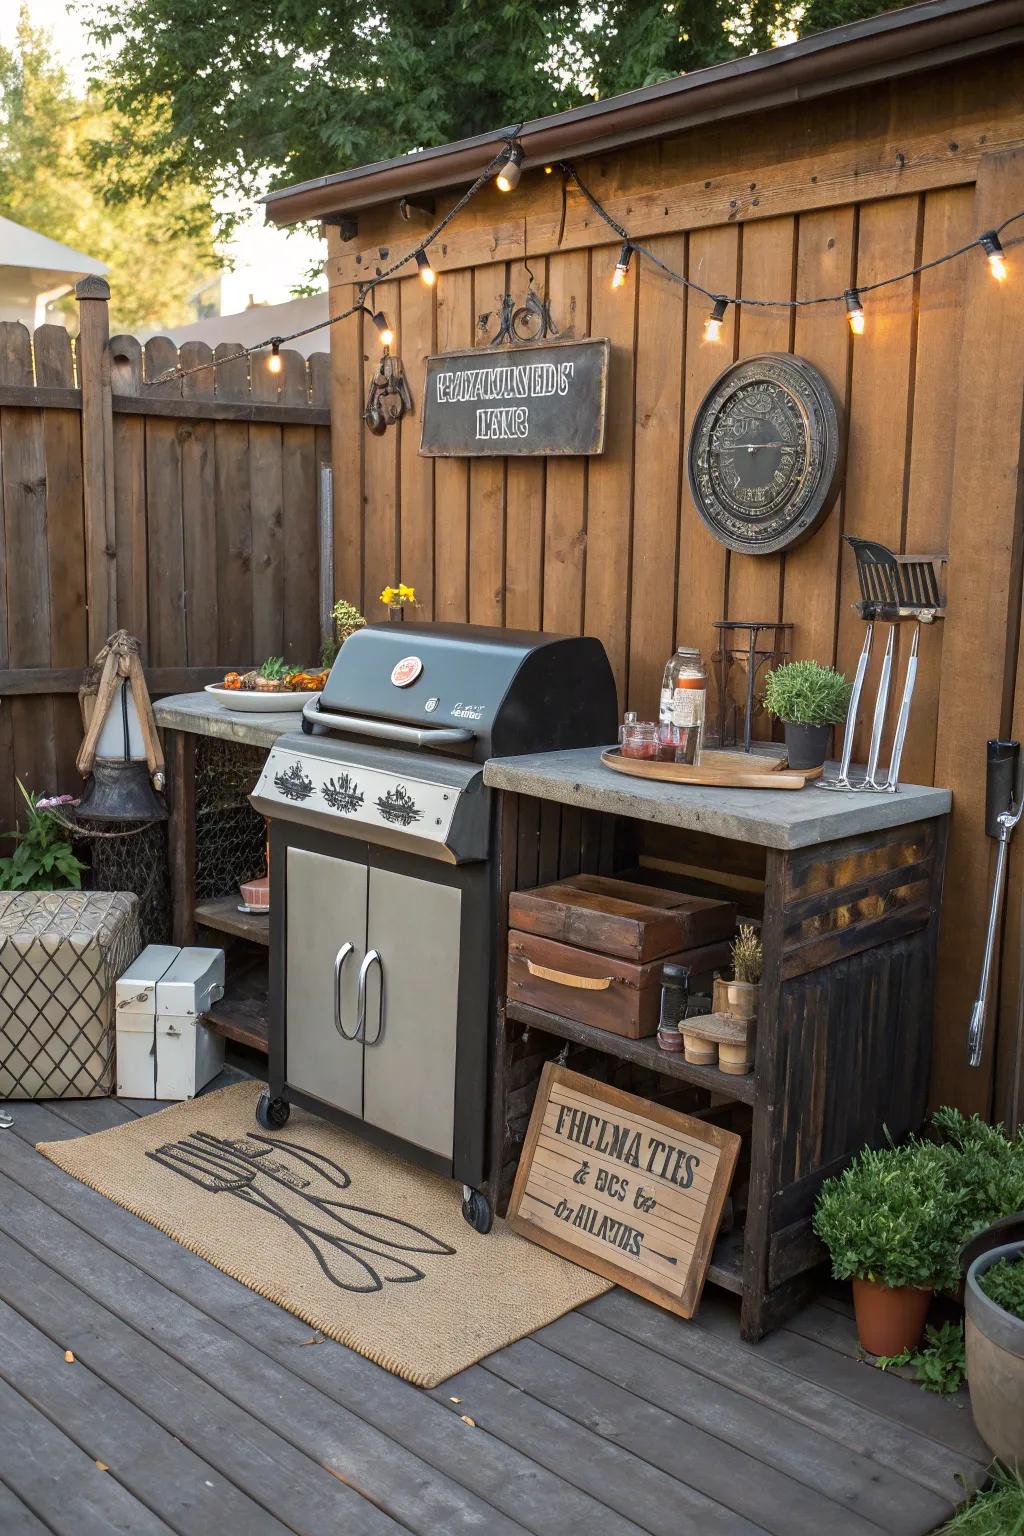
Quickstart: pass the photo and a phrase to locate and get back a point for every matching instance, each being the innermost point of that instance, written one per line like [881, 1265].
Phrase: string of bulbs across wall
[505, 169]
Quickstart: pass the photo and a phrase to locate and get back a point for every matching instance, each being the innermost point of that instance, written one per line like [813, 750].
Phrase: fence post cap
[92, 287]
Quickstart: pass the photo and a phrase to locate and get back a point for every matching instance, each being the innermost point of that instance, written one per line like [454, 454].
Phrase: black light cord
[570, 174]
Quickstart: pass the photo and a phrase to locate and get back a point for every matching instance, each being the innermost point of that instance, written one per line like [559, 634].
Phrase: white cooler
[164, 1050]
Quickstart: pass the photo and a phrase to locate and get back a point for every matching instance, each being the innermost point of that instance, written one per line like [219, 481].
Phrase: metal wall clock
[766, 453]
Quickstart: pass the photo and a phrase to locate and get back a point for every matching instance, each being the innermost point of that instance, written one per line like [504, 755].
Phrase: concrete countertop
[774, 818]
[201, 714]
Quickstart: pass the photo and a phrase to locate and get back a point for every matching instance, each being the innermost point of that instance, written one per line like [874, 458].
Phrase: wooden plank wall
[216, 519]
[612, 546]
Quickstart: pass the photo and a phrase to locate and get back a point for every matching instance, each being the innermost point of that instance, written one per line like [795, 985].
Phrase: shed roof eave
[917, 37]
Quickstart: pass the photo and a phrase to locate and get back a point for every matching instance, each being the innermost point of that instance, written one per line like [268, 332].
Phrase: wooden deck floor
[194, 1406]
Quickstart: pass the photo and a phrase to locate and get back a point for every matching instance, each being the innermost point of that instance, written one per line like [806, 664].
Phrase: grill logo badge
[399, 807]
[468, 711]
[293, 783]
[406, 671]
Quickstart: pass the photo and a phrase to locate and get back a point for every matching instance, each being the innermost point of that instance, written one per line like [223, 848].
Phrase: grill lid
[509, 691]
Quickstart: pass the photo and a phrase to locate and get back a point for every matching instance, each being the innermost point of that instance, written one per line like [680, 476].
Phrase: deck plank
[66, 1493]
[862, 1490]
[426, 1497]
[236, 1446]
[619, 1420]
[176, 1484]
[725, 1359]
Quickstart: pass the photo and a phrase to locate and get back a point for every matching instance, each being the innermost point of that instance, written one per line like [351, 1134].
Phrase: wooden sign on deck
[542, 398]
[624, 1187]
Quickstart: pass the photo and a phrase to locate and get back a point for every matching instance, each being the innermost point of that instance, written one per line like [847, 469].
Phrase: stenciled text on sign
[625, 1187]
[538, 399]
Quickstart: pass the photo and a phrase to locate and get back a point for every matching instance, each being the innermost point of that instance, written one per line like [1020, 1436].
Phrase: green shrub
[892, 1217]
[806, 693]
[997, 1510]
[940, 1364]
[43, 859]
[984, 1164]
[1004, 1284]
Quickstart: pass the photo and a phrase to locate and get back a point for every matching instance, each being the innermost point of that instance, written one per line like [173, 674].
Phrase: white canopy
[35, 270]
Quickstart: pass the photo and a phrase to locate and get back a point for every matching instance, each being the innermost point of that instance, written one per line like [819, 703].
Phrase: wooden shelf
[243, 1011]
[223, 915]
[726, 1267]
[644, 1053]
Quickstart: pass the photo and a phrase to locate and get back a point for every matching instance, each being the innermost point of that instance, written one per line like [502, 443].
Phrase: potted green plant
[890, 1224]
[994, 1328]
[345, 620]
[747, 956]
[809, 699]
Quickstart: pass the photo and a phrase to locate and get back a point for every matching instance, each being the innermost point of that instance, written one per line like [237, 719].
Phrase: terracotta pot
[995, 1361]
[807, 745]
[890, 1319]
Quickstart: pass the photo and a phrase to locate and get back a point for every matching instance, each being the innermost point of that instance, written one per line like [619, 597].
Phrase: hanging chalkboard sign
[623, 1186]
[545, 398]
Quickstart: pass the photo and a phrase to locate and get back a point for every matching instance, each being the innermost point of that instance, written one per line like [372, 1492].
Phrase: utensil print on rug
[218, 1167]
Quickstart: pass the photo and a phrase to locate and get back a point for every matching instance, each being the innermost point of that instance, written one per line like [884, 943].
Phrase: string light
[854, 311]
[384, 330]
[509, 174]
[505, 166]
[993, 248]
[713, 324]
[427, 272]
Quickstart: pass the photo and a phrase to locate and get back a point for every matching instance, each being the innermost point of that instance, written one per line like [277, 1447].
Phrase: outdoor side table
[60, 954]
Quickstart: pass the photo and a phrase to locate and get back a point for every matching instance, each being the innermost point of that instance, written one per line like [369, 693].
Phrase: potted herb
[995, 1349]
[43, 859]
[890, 1224]
[747, 955]
[809, 699]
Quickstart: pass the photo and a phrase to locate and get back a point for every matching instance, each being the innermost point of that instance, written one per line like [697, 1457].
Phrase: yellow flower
[406, 594]
[394, 597]
[389, 595]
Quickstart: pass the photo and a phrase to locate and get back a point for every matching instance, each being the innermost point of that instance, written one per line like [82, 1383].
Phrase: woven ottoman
[60, 954]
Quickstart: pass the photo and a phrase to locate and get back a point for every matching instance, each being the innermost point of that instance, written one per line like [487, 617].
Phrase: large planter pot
[890, 1319]
[807, 745]
[995, 1362]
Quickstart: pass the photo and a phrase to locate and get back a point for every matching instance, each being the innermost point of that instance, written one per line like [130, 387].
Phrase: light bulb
[622, 265]
[384, 330]
[713, 324]
[426, 271]
[854, 311]
[993, 248]
[274, 363]
[511, 169]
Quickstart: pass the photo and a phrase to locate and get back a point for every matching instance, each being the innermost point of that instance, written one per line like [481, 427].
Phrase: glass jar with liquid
[684, 692]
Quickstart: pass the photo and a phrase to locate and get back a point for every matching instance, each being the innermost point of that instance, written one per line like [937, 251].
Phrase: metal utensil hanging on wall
[895, 589]
[1004, 802]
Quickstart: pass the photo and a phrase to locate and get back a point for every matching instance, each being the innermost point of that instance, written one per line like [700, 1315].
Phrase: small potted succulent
[747, 955]
[890, 1223]
[994, 1331]
[809, 699]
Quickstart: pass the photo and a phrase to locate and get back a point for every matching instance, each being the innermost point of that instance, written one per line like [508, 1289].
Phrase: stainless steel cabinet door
[326, 913]
[412, 1004]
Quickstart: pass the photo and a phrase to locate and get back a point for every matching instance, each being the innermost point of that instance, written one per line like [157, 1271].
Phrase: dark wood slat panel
[199, 512]
[38, 680]
[60, 399]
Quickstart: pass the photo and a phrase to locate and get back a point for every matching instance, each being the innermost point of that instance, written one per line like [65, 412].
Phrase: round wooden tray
[723, 770]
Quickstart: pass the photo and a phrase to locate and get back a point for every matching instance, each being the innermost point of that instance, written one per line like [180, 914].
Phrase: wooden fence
[186, 512]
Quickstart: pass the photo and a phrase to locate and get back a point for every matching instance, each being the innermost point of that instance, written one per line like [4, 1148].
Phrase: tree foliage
[158, 249]
[251, 94]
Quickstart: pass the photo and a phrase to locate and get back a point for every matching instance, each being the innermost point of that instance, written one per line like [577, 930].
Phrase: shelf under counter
[223, 915]
[642, 1053]
[242, 1013]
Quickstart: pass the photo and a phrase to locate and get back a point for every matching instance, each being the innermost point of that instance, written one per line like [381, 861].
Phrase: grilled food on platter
[274, 676]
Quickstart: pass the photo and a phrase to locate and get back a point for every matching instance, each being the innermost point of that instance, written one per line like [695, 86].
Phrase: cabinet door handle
[339, 965]
[369, 958]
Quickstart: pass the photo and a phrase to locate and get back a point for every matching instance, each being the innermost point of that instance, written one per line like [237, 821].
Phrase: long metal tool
[878, 723]
[1005, 823]
[843, 780]
[892, 782]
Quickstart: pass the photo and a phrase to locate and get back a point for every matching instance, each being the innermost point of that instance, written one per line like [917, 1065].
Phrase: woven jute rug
[364, 1247]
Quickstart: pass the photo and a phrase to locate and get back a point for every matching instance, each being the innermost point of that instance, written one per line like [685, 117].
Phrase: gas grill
[384, 912]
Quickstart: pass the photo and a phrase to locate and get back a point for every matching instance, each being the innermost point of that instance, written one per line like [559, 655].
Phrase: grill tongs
[1004, 802]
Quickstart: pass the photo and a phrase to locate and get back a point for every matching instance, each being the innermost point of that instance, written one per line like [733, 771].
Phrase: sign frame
[680, 1299]
[590, 440]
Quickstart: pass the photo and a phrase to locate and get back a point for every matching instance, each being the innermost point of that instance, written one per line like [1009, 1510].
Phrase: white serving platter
[253, 703]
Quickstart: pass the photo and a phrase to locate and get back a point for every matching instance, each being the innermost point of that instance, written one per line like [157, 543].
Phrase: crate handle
[567, 979]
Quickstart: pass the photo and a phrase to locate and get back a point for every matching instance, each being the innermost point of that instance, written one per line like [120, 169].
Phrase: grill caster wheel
[272, 1113]
[476, 1209]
